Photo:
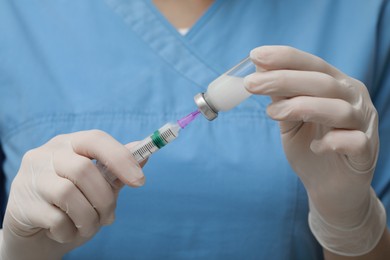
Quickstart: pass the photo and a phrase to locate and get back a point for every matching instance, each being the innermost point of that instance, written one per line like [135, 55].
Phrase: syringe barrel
[146, 147]
[155, 141]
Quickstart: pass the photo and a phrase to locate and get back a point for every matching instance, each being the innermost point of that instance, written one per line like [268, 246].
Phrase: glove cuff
[354, 241]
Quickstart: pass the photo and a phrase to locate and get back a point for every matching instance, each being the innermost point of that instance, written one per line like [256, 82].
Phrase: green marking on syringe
[158, 140]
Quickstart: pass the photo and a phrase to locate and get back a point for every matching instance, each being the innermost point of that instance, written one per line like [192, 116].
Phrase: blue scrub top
[223, 189]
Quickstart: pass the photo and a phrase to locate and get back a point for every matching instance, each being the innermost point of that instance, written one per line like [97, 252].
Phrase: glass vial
[226, 91]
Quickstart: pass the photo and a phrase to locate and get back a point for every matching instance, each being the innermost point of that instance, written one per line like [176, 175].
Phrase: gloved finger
[66, 196]
[113, 155]
[116, 183]
[84, 174]
[284, 57]
[354, 144]
[57, 224]
[335, 113]
[292, 83]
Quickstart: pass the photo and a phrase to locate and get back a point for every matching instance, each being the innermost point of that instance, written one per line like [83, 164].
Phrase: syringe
[151, 144]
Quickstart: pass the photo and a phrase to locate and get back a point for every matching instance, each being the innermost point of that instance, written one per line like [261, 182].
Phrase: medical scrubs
[223, 189]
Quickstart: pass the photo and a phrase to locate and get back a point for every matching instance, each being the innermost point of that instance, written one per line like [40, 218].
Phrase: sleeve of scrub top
[381, 98]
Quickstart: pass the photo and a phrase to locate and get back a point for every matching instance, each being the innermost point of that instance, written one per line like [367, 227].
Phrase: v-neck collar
[148, 23]
[196, 26]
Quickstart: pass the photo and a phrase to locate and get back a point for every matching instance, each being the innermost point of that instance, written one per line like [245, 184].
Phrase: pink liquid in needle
[188, 119]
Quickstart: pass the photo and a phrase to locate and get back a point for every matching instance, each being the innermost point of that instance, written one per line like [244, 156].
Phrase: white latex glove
[329, 130]
[59, 199]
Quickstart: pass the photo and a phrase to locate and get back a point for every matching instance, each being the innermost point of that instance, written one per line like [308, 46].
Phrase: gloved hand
[329, 129]
[59, 199]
